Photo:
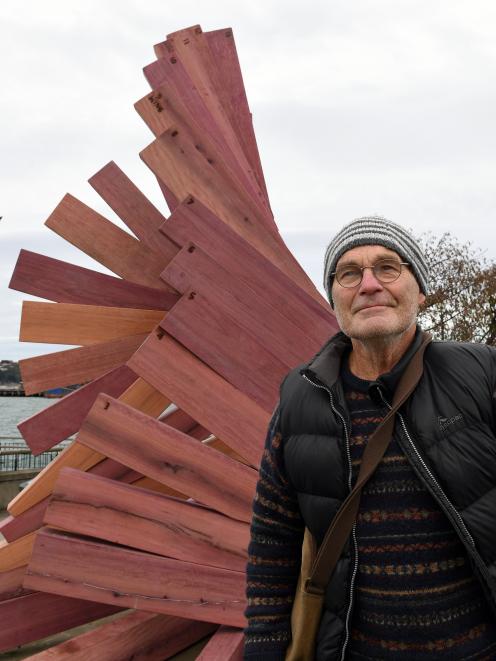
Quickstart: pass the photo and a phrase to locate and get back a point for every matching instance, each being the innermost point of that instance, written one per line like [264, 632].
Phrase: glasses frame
[362, 269]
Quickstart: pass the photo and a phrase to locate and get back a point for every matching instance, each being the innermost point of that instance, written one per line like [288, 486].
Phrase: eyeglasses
[385, 270]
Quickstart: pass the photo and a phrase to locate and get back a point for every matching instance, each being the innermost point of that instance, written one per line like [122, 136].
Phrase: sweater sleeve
[274, 555]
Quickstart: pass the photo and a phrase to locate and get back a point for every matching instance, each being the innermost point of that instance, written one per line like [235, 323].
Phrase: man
[417, 577]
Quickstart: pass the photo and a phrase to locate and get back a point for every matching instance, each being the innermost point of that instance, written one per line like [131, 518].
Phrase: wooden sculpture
[182, 353]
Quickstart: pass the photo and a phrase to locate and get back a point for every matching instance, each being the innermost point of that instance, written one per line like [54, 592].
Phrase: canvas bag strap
[340, 528]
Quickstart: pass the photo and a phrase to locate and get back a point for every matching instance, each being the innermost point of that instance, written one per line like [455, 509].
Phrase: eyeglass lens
[386, 270]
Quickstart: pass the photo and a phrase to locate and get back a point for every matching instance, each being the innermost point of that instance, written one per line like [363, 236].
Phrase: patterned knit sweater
[415, 596]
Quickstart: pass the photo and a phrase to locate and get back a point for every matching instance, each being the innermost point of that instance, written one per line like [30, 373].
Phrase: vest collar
[325, 366]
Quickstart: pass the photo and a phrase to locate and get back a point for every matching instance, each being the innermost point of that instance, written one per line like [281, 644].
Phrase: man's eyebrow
[382, 255]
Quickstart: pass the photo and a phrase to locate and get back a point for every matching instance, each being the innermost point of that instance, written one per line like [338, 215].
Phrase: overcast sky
[360, 106]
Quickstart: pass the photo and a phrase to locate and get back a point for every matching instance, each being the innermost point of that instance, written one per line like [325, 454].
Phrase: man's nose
[369, 282]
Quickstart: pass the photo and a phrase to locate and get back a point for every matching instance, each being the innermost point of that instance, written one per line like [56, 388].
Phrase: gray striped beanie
[376, 230]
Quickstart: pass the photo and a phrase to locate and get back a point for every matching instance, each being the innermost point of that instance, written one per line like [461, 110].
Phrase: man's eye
[349, 273]
[388, 267]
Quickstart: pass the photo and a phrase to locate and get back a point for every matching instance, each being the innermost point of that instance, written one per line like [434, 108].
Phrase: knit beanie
[376, 230]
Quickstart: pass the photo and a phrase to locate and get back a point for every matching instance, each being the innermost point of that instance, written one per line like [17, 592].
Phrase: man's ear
[421, 298]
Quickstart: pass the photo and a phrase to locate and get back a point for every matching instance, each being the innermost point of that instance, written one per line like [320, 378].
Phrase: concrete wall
[9, 485]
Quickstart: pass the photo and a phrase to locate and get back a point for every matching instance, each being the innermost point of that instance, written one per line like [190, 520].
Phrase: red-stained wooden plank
[207, 330]
[60, 281]
[206, 60]
[223, 66]
[193, 222]
[133, 208]
[64, 368]
[203, 394]
[63, 564]
[11, 583]
[173, 157]
[111, 469]
[157, 74]
[202, 105]
[37, 615]
[138, 636]
[179, 97]
[226, 644]
[13, 527]
[161, 110]
[194, 269]
[223, 49]
[63, 418]
[81, 325]
[161, 49]
[108, 244]
[176, 102]
[169, 456]
[193, 100]
[96, 507]
[192, 51]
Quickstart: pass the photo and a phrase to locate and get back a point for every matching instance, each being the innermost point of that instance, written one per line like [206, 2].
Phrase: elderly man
[416, 579]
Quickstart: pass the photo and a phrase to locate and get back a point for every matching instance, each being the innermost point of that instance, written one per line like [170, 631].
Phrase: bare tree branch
[461, 304]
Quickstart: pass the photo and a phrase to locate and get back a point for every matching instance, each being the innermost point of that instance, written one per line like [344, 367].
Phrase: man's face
[374, 309]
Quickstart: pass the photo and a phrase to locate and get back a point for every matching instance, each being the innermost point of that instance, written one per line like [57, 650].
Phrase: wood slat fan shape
[180, 354]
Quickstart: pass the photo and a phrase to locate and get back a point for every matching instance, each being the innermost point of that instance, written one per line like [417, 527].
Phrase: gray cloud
[359, 107]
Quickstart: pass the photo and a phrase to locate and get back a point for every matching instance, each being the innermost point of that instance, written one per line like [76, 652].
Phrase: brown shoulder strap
[342, 523]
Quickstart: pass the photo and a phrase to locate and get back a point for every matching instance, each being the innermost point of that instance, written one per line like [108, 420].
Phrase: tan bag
[307, 607]
[316, 568]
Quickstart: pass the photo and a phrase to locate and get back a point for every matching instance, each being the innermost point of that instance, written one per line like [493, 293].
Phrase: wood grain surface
[207, 397]
[16, 554]
[226, 644]
[135, 635]
[70, 323]
[174, 158]
[163, 109]
[97, 507]
[205, 327]
[63, 564]
[73, 366]
[99, 238]
[194, 269]
[202, 72]
[193, 223]
[63, 282]
[38, 615]
[169, 456]
[223, 49]
[140, 394]
[45, 429]
[11, 583]
[133, 208]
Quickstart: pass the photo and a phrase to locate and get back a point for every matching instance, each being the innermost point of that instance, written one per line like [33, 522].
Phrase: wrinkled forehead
[367, 255]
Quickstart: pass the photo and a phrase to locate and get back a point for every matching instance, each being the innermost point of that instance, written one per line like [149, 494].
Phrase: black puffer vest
[447, 429]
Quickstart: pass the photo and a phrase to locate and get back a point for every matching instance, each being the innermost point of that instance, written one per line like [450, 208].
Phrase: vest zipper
[448, 506]
[442, 495]
[353, 530]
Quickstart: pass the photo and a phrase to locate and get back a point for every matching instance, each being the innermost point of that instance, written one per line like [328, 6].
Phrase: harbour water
[15, 455]
[15, 409]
